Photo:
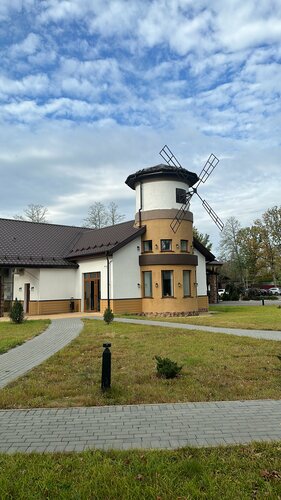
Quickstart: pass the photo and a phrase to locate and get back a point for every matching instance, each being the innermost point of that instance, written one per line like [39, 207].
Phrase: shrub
[167, 368]
[16, 313]
[108, 316]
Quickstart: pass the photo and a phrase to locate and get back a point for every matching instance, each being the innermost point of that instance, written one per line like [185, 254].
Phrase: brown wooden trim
[163, 213]
[168, 259]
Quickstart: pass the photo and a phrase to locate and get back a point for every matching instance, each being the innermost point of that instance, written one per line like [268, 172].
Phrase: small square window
[166, 245]
[184, 245]
[180, 195]
[147, 246]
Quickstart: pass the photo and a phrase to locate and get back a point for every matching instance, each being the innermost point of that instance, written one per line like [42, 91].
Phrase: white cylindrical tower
[167, 261]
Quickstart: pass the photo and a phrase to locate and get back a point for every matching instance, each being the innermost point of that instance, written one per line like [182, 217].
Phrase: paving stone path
[257, 334]
[123, 427]
[162, 426]
[23, 358]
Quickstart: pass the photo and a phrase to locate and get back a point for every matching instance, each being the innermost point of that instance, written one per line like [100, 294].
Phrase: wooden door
[26, 297]
[92, 292]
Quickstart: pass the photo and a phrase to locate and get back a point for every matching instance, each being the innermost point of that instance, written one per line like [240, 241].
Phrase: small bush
[167, 368]
[108, 316]
[16, 313]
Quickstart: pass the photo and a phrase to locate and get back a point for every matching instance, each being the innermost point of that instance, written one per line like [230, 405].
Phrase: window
[186, 283]
[166, 245]
[147, 284]
[184, 246]
[167, 284]
[147, 246]
[180, 195]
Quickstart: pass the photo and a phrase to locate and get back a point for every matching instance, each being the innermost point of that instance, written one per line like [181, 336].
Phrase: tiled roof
[30, 244]
[107, 239]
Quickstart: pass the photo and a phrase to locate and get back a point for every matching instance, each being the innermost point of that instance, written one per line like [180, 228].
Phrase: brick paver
[140, 426]
[257, 334]
[21, 359]
[123, 427]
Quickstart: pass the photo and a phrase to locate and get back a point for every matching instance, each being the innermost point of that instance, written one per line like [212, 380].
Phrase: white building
[139, 266]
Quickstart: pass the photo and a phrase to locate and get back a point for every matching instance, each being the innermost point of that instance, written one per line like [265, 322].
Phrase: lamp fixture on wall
[156, 285]
[138, 285]
[156, 246]
[179, 284]
[138, 248]
[177, 245]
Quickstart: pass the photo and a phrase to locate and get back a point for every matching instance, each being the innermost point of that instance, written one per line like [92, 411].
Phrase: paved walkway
[123, 427]
[257, 334]
[21, 359]
[159, 426]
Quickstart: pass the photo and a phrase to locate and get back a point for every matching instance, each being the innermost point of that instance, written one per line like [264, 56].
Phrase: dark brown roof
[162, 171]
[105, 240]
[209, 256]
[30, 244]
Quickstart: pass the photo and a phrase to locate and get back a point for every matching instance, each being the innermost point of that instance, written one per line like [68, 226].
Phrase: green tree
[269, 228]
[249, 244]
[231, 250]
[202, 238]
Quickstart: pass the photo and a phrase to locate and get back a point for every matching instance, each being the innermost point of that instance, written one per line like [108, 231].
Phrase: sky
[91, 90]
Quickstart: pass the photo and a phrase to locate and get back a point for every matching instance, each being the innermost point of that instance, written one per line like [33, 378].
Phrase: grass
[12, 335]
[248, 317]
[215, 367]
[240, 472]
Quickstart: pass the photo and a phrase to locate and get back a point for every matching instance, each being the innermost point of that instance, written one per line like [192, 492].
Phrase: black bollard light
[262, 301]
[106, 368]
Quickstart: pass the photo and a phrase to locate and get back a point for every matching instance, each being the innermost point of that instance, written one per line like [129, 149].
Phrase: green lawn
[216, 367]
[240, 472]
[12, 335]
[249, 317]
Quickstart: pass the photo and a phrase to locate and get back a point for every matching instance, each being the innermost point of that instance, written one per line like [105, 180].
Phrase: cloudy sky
[90, 91]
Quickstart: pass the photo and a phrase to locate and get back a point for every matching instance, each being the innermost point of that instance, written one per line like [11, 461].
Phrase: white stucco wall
[126, 271]
[57, 284]
[201, 274]
[46, 284]
[159, 194]
[31, 276]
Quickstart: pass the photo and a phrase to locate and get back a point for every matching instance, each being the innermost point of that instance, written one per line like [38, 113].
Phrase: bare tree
[101, 216]
[97, 216]
[34, 213]
[114, 216]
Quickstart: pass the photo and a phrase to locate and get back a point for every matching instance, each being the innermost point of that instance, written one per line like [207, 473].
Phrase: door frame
[26, 297]
[93, 277]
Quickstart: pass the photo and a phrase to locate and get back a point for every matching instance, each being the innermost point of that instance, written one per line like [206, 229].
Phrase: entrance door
[92, 292]
[26, 297]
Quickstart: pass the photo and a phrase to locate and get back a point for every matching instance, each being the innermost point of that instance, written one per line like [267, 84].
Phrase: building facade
[139, 266]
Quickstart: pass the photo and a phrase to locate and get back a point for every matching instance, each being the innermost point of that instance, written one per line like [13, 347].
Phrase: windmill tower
[170, 269]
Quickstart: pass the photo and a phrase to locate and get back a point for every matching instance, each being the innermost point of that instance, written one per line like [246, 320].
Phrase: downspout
[108, 281]
[140, 209]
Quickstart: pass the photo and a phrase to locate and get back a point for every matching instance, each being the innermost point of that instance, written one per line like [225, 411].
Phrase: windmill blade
[169, 157]
[176, 222]
[211, 213]
[208, 168]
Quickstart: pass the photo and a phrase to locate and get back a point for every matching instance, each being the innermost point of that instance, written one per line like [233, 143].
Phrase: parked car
[221, 291]
[274, 291]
